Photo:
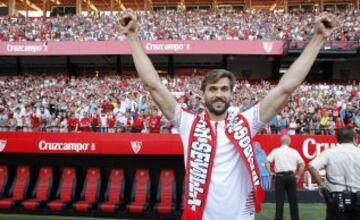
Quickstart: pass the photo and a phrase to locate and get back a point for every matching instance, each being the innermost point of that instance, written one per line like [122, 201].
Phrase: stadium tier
[189, 47]
[109, 103]
[178, 25]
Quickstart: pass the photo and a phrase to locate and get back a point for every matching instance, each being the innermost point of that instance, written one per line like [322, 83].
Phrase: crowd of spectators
[179, 25]
[114, 103]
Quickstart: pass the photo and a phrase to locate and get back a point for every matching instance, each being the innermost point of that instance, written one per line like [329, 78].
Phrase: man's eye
[212, 89]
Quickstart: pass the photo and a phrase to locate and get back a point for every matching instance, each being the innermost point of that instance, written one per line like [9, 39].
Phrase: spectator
[85, 123]
[44, 116]
[19, 118]
[73, 123]
[111, 120]
[3, 119]
[221, 24]
[63, 97]
[103, 122]
[139, 122]
[324, 123]
[154, 121]
[357, 121]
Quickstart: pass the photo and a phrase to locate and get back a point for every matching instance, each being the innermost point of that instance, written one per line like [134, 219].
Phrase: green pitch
[307, 211]
[312, 211]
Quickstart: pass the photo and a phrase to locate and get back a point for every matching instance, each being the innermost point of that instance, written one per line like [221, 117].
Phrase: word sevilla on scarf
[201, 157]
[199, 162]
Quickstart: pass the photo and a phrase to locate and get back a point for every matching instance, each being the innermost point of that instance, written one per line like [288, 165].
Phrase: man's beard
[217, 112]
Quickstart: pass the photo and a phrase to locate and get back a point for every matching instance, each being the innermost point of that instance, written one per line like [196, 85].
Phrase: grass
[307, 211]
[312, 211]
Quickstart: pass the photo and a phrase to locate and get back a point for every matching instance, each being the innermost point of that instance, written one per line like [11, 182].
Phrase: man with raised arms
[222, 179]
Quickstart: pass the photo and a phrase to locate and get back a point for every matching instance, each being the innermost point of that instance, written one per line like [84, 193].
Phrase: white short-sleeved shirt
[230, 189]
[19, 119]
[285, 158]
[341, 163]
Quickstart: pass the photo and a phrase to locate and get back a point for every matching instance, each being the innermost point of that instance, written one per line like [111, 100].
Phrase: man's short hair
[215, 75]
[345, 135]
[285, 139]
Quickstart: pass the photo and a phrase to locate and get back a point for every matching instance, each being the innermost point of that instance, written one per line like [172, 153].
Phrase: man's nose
[220, 93]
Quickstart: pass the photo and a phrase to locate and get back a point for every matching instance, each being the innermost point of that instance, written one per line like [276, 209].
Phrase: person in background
[264, 172]
[342, 185]
[3, 119]
[286, 162]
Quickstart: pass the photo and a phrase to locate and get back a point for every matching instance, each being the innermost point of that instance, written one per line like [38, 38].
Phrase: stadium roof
[105, 5]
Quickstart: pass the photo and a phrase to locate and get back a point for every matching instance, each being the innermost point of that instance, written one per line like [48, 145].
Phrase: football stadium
[180, 109]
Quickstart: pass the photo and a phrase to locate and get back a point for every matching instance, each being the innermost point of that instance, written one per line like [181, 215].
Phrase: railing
[329, 45]
[163, 129]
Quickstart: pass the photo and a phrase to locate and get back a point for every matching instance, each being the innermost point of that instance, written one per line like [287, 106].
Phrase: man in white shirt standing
[286, 162]
[222, 178]
[20, 119]
[342, 166]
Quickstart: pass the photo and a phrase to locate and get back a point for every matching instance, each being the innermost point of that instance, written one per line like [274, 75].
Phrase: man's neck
[214, 117]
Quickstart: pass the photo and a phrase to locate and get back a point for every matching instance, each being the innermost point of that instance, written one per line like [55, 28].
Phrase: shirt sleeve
[321, 161]
[177, 116]
[253, 117]
[300, 160]
[271, 156]
[183, 119]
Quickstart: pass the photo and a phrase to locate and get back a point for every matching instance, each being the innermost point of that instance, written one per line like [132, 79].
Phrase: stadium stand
[67, 95]
[317, 108]
[178, 25]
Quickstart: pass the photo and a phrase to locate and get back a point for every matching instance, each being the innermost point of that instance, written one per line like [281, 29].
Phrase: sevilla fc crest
[136, 146]
[2, 145]
[268, 46]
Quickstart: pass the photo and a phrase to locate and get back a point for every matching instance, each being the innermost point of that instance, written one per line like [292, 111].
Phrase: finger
[131, 23]
[129, 12]
[126, 20]
[132, 15]
[331, 16]
[122, 31]
[120, 24]
[326, 21]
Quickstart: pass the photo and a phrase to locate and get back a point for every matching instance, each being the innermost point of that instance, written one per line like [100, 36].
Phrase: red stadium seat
[166, 195]
[42, 189]
[4, 176]
[140, 193]
[66, 191]
[91, 190]
[115, 190]
[18, 189]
